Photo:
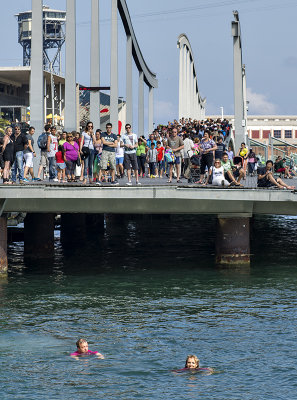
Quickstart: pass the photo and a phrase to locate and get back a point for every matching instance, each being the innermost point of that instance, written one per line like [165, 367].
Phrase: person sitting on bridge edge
[281, 168]
[83, 349]
[266, 179]
[217, 174]
[232, 171]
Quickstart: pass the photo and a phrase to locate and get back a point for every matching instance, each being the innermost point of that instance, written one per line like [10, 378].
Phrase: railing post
[140, 105]
[36, 76]
[95, 65]
[114, 109]
[151, 109]
[129, 91]
[70, 68]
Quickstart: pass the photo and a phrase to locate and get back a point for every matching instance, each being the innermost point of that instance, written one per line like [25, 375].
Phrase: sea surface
[145, 292]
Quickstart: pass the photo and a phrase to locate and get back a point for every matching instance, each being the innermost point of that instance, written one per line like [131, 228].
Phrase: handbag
[78, 162]
[85, 152]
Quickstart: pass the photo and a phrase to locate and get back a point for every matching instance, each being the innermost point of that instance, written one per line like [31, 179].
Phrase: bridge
[233, 207]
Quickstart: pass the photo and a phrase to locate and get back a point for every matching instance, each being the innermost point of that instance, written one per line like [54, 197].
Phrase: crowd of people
[186, 149]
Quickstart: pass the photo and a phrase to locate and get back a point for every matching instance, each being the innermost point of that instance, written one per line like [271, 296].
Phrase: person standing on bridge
[130, 141]
[8, 154]
[110, 143]
[176, 144]
[207, 147]
[20, 142]
[52, 148]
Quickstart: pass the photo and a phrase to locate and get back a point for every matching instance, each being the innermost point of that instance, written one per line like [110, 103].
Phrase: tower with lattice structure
[53, 37]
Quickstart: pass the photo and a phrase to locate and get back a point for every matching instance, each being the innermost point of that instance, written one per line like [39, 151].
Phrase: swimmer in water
[83, 349]
[192, 364]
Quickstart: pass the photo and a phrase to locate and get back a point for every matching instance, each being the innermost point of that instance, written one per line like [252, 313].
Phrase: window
[266, 134]
[288, 134]
[277, 134]
[255, 134]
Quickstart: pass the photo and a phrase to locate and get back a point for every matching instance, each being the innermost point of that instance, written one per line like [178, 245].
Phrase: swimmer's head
[82, 346]
[192, 361]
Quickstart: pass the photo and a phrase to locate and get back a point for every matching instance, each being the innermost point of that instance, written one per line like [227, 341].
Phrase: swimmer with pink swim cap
[83, 349]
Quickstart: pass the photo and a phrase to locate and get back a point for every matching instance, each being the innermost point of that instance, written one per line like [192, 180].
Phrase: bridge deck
[154, 196]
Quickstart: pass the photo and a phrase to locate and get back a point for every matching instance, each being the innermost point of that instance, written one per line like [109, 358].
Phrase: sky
[269, 42]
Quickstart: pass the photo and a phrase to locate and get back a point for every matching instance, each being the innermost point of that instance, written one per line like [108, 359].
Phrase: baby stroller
[192, 173]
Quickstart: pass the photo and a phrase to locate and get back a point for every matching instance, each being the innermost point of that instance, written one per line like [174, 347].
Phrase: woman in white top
[87, 151]
[218, 174]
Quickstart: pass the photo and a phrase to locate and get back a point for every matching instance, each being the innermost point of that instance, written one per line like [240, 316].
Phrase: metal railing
[259, 146]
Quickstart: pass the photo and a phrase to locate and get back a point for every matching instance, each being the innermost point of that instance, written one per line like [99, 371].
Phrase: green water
[147, 295]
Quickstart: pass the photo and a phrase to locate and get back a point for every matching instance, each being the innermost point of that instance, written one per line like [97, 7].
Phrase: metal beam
[151, 110]
[36, 76]
[70, 68]
[95, 65]
[114, 109]
[239, 114]
[140, 105]
[129, 87]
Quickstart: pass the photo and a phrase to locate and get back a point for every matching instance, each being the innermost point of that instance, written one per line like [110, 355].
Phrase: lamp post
[222, 112]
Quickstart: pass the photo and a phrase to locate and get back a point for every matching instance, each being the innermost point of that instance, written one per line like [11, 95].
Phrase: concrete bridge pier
[39, 235]
[233, 239]
[73, 229]
[3, 246]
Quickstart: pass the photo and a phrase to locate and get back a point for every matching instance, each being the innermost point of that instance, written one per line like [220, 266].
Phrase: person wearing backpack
[42, 144]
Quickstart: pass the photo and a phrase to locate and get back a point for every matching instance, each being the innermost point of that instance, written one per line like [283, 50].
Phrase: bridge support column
[39, 235]
[233, 239]
[73, 229]
[95, 224]
[3, 246]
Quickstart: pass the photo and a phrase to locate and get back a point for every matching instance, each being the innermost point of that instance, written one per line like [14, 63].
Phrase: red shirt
[59, 157]
[160, 151]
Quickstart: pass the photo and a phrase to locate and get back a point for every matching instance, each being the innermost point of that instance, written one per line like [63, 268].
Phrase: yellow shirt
[243, 152]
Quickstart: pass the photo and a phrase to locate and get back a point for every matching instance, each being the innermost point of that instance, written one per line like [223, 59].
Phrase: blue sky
[269, 35]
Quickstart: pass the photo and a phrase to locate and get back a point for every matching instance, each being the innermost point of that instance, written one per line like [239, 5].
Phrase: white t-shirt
[131, 140]
[119, 150]
[218, 176]
[53, 146]
[188, 152]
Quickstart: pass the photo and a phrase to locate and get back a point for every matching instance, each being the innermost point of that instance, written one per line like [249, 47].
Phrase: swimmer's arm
[75, 357]
[99, 355]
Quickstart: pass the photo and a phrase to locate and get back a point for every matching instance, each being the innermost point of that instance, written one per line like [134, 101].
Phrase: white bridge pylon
[191, 104]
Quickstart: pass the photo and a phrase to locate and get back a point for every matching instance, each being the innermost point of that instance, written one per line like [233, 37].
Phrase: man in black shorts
[130, 141]
[266, 179]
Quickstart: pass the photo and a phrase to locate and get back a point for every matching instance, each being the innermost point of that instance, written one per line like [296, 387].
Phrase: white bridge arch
[191, 104]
